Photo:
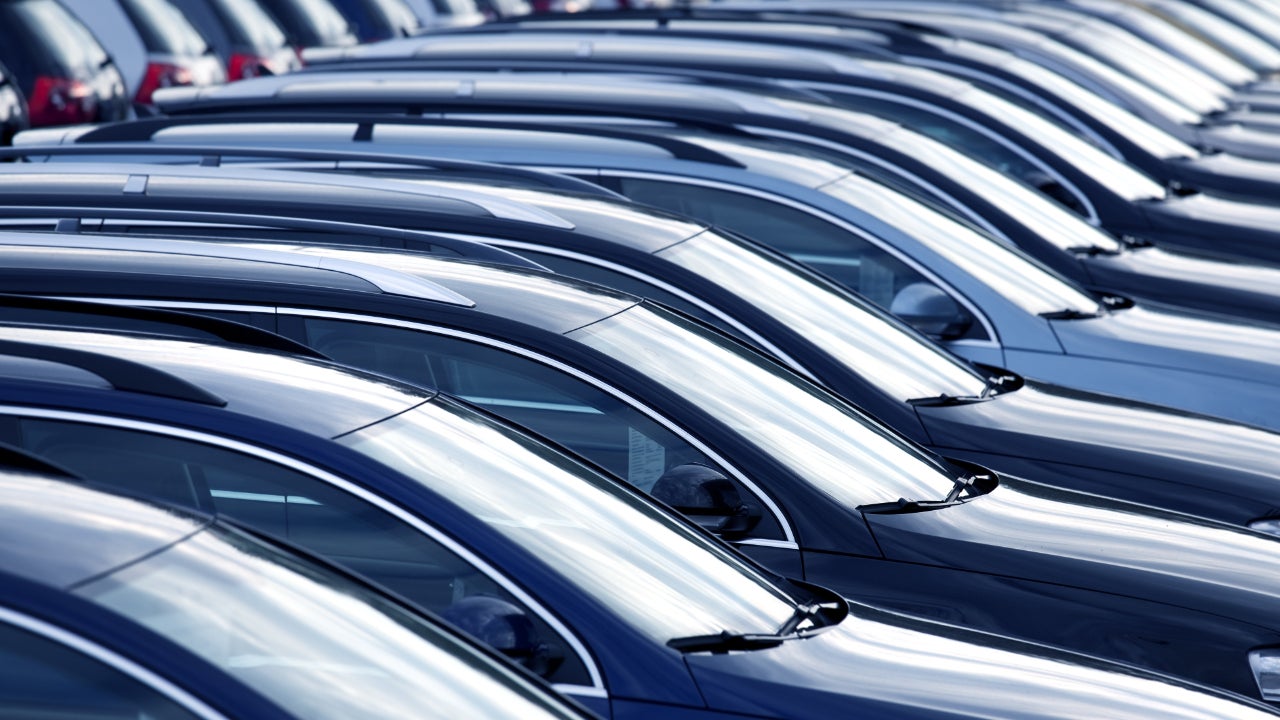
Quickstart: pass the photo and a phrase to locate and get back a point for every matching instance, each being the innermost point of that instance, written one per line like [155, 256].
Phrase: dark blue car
[618, 602]
[794, 476]
[111, 607]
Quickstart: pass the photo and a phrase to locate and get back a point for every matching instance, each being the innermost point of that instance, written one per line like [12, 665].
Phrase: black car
[312, 23]
[65, 75]
[379, 19]
[820, 491]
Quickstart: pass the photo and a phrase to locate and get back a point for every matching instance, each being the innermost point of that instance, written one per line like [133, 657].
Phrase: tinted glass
[249, 25]
[59, 39]
[312, 22]
[313, 641]
[45, 679]
[275, 499]
[663, 576]
[164, 29]
[547, 400]
[820, 437]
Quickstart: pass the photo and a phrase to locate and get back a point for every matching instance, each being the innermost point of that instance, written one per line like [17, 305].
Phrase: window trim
[596, 689]
[110, 658]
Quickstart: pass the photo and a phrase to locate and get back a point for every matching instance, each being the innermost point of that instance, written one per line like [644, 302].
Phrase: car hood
[1236, 228]
[1256, 284]
[1193, 463]
[877, 664]
[1028, 530]
[1167, 339]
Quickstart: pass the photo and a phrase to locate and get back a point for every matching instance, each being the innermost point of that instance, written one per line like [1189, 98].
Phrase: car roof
[533, 297]
[307, 395]
[59, 533]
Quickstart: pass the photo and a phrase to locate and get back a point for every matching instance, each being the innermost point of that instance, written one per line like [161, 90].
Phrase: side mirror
[506, 628]
[931, 311]
[708, 498]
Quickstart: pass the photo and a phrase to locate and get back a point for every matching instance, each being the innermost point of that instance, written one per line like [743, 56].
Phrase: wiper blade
[725, 641]
[944, 400]
[1070, 314]
[903, 506]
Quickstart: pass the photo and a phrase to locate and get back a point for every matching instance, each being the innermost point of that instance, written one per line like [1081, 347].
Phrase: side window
[284, 502]
[548, 401]
[45, 679]
[839, 253]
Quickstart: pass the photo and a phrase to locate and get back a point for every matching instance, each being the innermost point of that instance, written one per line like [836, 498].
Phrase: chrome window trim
[955, 205]
[649, 279]
[351, 488]
[68, 639]
[822, 215]
[981, 129]
[588, 379]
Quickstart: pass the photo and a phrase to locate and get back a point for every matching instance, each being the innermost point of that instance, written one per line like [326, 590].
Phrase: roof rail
[145, 129]
[226, 330]
[212, 155]
[70, 220]
[121, 374]
[389, 281]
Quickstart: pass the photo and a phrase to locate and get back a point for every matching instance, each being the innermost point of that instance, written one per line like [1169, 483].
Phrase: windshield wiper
[726, 641]
[970, 484]
[1070, 314]
[995, 383]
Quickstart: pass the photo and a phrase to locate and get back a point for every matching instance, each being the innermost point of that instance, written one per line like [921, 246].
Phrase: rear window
[248, 24]
[312, 22]
[164, 29]
[41, 38]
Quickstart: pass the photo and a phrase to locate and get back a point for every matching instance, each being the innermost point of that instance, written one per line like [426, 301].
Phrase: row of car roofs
[976, 370]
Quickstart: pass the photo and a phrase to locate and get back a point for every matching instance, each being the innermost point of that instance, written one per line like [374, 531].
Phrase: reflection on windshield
[872, 345]
[660, 575]
[315, 643]
[1024, 282]
[823, 439]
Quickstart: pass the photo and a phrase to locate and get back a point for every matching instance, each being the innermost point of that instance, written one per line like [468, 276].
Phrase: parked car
[62, 71]
[113, 606]
[448, 523]
[250, 42]
[1139, 453]
[820, 491]
[1047, 328]
[152, 44]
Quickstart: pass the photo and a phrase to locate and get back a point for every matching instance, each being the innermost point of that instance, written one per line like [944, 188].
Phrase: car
[1138, 453]
[248, 40]
[62, 71]
[820, 491]
[116, 606]
[991, 313]
[152, 44]
[452, 522]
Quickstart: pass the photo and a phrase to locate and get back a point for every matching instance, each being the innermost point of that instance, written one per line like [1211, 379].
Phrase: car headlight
[1266, 671]
[1270, 526]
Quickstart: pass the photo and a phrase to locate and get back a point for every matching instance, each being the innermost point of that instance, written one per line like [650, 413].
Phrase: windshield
[820, 437]
[650, 568]
[307, 638]
[1006, 270]
[1052, 222]
[874, 346]
[1150, 138]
